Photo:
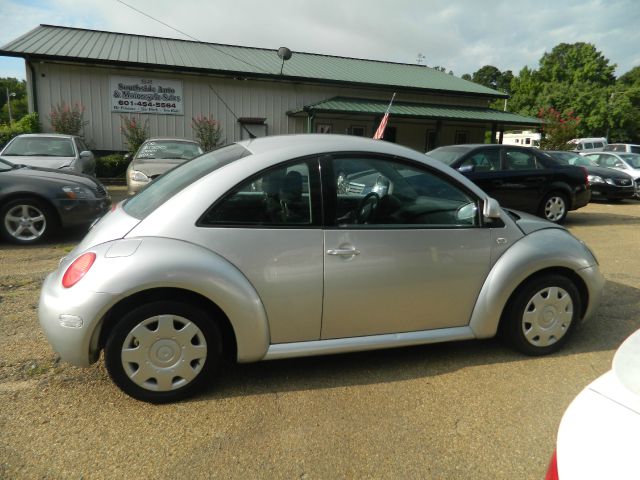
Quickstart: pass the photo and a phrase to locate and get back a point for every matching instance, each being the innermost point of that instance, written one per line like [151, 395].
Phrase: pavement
[450, 411]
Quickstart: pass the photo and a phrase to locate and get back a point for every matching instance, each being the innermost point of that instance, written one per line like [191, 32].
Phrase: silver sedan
[300, 245]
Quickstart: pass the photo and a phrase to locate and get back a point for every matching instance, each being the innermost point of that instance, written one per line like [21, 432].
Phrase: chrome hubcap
[163, 353]
[25, 222]
[554, 208]
[547, 316]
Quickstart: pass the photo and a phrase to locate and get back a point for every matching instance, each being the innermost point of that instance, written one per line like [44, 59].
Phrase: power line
[194, 38]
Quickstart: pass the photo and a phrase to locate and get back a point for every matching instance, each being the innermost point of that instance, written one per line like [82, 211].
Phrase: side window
[519, 160]
[81, 146]
[598, 145]
[278, 197]
[390, 194]
[484, 160]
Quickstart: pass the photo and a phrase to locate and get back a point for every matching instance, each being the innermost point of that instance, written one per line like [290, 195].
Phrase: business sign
[146, 95]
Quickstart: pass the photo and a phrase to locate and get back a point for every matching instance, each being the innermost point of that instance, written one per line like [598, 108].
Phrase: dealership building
[256, 91]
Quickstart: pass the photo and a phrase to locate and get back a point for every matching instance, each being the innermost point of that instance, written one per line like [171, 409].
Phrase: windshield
[448, 155]
[40, 147]
[172, 182]
[632, 159]
[165, 149]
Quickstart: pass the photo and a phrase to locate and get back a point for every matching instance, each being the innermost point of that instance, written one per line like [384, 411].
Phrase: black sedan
[521, 178]
[34, 202]
[606, 183]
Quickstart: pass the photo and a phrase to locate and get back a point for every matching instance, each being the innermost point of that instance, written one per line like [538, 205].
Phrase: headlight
[595, 179]
[609, 181]
[77, 192]
[138, 176]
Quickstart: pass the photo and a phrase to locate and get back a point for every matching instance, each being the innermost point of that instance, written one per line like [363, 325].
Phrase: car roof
[320, 143]
[45, 135]
[170, 139]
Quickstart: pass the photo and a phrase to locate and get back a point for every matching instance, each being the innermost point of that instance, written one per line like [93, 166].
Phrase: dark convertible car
[34, 202]
[521, 178]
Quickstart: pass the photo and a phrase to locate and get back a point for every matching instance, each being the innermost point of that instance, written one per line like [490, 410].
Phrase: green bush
[28, 124]
[111, 166]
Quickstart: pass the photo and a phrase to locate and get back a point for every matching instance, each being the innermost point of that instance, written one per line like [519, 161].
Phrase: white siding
[89, 86]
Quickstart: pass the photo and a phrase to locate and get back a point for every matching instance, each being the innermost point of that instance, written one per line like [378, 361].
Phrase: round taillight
[78, 269]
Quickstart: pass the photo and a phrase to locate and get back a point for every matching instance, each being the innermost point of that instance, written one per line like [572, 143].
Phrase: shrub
[134, 131]
[111, 166]
[68, 119]
[28, 124]
[559, 128]
[207, 131]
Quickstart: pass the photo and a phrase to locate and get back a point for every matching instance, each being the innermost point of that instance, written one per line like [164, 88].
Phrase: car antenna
[242, 125]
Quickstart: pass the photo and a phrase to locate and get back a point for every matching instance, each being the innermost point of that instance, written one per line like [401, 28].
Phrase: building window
[430, 141]
[324, 128]
[358, 130]
[462, 136]
[252, 125]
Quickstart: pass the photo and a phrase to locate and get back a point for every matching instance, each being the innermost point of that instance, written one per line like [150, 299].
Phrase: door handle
[344, 252]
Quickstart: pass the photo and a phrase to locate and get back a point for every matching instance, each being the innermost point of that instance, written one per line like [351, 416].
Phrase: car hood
[43, 162]
[153, 167]
[606, 172]
[51, 174]
[530, 223]
[598, 433]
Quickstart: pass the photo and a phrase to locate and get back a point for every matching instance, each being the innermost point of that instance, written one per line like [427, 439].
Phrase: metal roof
[92, 46]
[416, 110]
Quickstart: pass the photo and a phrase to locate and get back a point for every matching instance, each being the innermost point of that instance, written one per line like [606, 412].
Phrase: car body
[157, 156]
[51, 150]
[622, 147]
[628, 163]
[607, 183]
[35, 202]
[586, 145]
[520, 178]
[254, 252]
[597, 437]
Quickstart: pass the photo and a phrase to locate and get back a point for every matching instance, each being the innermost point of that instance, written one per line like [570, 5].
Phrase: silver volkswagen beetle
[300, 245]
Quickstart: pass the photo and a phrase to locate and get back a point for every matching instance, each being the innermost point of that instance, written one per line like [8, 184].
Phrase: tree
[576, 63]
[19, 107]
[558, 129]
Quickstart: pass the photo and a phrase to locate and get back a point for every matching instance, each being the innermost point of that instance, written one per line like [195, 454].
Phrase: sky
[460, 35]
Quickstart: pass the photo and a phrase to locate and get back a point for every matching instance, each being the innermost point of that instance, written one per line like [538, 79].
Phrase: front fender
[540, 250]
[125, 267]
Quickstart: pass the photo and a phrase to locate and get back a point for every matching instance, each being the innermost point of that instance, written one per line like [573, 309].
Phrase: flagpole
[383, 123]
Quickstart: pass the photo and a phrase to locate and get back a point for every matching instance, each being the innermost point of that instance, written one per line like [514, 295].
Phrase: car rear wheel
[541, 315]
[555, 207]
[163, 351]
[26, 221]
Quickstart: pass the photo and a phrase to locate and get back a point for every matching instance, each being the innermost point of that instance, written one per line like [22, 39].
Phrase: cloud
[461, 36]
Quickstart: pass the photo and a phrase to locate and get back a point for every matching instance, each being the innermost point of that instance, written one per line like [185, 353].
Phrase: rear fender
[129, 266]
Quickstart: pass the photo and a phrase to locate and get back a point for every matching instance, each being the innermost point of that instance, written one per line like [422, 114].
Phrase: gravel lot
[464, 410]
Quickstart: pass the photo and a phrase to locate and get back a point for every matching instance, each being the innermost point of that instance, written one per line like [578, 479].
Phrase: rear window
[168, 149]
[448, 155]
[172, 182]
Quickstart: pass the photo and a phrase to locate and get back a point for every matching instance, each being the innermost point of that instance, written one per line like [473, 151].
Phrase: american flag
[379, 135]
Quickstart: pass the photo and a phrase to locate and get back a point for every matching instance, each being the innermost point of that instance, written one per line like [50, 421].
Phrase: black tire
[180, 345]
[554, 207]
[26, 221]
[541, 315]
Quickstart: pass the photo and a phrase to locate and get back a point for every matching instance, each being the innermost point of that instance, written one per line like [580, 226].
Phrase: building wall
[89, 85]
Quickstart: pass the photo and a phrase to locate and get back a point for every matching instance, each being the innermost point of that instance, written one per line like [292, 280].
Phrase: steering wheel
[367, 207]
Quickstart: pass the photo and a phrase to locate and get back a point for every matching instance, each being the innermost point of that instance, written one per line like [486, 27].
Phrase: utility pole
[9, 95]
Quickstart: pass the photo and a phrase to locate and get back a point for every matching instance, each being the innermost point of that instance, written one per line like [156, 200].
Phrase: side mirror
[466, 168]
[491, 208]
[85, 154]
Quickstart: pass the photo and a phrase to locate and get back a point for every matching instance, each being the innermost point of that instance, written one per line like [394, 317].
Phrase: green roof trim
[92, 46]
[415, 110]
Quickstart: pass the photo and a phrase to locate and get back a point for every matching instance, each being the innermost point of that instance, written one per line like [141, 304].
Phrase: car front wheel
[163, 351]
[555, 207]
[541, 315]
[26, 221]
